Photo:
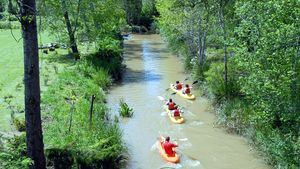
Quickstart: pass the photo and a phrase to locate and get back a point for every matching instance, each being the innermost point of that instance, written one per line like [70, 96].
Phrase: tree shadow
[138, 51]
[136, 76]
[60, 58]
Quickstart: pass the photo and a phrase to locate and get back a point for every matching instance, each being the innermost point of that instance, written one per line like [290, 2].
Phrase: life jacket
[171, 105]
[169, 148]
[176, 113]
[187, 90]
[179, 86]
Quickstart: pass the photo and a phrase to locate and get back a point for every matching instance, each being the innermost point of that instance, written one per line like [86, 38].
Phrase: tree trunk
[200, 42]
[34, 136]
[69, 27]
[222, 25]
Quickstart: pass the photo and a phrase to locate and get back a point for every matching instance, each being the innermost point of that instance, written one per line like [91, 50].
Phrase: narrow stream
[150, 69]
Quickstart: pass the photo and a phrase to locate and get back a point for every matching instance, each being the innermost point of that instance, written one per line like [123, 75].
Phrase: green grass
[11, 74]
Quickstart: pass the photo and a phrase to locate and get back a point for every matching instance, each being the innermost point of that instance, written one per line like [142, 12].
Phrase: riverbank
[151, 67]
[72, 137]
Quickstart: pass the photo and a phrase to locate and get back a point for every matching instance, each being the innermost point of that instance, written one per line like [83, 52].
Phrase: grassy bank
[75, 136]
[71, 139]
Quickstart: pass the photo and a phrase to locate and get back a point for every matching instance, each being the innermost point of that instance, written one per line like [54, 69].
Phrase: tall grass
[70, 138]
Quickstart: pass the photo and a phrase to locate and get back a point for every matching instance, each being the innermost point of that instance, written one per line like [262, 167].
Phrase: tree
[71, 30]
[34, 136]
[133, 10]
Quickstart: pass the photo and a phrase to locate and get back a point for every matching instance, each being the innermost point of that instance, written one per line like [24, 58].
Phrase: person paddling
[178, 85]
[187, 89]
[171, 104]
[169, 147]
[176, 112]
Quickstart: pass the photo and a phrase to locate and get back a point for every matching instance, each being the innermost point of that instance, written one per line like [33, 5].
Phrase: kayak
[179, 92]
[174, 159]
[177, 120]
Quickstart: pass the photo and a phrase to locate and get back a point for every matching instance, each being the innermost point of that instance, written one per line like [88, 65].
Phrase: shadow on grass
[67, 59]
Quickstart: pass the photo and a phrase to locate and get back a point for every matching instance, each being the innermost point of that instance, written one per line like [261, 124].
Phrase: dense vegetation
[77, 129]
[247, 54]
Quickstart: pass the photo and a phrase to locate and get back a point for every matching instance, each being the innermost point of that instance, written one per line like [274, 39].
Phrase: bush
[125, 110]
[108, 57]
[60, 158]
[70, 139]
[19, 124]
[282, 150]
[234, 115]
[215, 80]
[13, 153]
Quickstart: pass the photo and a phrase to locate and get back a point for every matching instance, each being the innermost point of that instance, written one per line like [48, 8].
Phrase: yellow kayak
[179, 92]
[174, 159]
[177, 120]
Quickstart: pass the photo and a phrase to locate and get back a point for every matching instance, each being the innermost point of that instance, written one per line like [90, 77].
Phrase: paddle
[181, 81]
[181, 139]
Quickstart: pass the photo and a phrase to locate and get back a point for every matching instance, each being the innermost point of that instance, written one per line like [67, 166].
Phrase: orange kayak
[174, 159]
[179, 92]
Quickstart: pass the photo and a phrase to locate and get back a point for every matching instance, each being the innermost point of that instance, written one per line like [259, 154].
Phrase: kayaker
[171, 104]
[168, 147]
[187, 89]
[178, 85]
[176, 112]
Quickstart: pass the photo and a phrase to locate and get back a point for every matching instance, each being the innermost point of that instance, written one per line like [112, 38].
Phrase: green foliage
[19, 123]
[215, 80]
[133, 9]
[9, 25]
[235, 115]
[91, 20]
[260, 40]
[13, 153]
[3, 5]
[125, 110]
[70, 140]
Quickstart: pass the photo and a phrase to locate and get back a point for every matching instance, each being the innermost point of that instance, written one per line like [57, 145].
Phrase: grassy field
[11, 75]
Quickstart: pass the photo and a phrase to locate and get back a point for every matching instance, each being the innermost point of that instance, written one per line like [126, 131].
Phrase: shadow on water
[135, 76]
[133, 49]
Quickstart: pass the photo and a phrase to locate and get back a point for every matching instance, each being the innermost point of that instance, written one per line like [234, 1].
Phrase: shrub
[107, 59]
[19, 124]
[234, 115]
[125, 110]
[70, 140]
[102, 79]
[13, 154]
[215, 80]
[282, 150]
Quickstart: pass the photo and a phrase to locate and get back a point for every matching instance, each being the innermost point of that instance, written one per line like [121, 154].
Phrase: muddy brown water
[150, 69]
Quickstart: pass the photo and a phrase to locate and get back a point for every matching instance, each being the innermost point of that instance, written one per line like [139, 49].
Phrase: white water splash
[171, 166]
[192, 163]
[161, 98]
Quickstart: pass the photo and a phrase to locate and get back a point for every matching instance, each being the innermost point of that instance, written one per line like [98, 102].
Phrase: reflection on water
[150, 70]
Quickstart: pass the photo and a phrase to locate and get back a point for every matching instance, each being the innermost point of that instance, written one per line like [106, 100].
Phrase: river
[150, 69]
